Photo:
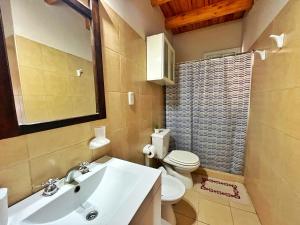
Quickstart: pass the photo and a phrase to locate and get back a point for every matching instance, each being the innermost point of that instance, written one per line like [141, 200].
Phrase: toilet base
[185, 178]
[167, 213]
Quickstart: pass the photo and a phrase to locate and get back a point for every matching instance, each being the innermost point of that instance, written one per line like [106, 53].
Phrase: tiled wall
[28, 160]
[48, 83]
[273, 149]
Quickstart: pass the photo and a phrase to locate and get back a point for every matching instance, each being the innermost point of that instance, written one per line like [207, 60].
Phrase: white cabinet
[160, 60]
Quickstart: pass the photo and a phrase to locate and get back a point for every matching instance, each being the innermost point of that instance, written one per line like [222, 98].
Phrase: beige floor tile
[213, 197]
[241, 217]
[213, 213]
[183, 220]
[246, 207]
[188, 206]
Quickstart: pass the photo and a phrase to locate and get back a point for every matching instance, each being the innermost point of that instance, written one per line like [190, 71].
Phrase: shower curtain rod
[217, 57]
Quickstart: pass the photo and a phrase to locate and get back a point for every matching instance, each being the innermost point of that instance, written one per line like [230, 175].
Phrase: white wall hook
[262, 54]
[279, 39]
[79, 72]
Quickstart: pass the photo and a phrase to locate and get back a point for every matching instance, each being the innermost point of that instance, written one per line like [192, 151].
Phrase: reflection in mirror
[50, 59]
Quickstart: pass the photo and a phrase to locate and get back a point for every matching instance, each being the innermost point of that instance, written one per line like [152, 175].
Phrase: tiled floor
[202, 207]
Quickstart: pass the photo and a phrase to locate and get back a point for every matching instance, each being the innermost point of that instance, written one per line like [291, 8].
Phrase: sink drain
[91, 215]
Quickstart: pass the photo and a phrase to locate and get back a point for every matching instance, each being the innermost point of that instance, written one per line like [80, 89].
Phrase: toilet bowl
[181, 164]
[178, 163]
[172, 190]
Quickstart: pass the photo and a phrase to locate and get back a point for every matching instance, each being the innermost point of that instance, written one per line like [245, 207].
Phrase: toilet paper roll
[149, 151]
[3, 206]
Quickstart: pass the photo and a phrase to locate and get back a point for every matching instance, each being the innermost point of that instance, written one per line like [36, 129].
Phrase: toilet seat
[182, 158]
[172, 189]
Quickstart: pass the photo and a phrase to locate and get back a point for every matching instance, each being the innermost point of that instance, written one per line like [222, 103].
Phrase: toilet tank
[161, 142]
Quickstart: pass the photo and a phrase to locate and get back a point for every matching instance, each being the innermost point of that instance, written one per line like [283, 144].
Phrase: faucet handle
[50, 187]
[83, 167]
[85, 163]
[49, 182]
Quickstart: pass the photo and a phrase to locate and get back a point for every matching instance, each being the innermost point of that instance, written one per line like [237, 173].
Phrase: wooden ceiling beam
[209, 12]
[159, 2]
[51, 2]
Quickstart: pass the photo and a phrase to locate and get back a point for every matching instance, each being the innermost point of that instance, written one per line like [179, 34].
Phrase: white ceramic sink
[115, 189]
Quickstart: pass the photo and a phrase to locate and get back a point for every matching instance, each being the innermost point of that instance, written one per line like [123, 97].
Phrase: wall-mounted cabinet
[160, 60]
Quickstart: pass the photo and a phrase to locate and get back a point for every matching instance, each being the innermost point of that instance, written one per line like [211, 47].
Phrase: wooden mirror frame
[9, 126]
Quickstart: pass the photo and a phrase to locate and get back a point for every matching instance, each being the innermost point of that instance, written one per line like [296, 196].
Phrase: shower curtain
[207, 110]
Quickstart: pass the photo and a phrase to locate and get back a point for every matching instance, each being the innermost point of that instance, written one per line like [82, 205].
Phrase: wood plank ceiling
[186, 15]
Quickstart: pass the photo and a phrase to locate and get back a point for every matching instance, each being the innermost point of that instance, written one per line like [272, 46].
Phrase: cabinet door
[171, 64]
[166, 60]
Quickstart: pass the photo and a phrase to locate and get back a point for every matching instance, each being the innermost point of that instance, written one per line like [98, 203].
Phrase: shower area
[207, 110]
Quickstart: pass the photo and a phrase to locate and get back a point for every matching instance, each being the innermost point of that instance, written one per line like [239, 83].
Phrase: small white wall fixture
[262, 54]
[279, 39]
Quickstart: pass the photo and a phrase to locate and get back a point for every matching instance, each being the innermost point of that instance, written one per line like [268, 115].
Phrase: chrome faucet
[71, 174]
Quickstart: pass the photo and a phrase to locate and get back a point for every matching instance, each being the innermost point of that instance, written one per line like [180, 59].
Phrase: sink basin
[110, 194]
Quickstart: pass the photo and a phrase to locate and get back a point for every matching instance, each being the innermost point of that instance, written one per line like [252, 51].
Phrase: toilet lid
[171, 188]
[183, 157]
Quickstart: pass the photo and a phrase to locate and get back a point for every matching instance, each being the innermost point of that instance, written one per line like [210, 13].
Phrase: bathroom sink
[110, 194]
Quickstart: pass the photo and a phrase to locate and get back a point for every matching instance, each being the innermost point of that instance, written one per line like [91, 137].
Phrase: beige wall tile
[52, 140]
[112, 70]
[145, 131]
[110, 28]
[114, 110]
[119, 144]
[32, 58]
[32, 81]
[17, 180]
[129, 76]
[146, 107]
[56, 84]
[273, 136]
[54, 60]
[33, 106]
[55, 165]
[82, 106]
[131, 113]
[98, 153]
[61, 107]
[13, 64]
[12, 151]
[132, 138]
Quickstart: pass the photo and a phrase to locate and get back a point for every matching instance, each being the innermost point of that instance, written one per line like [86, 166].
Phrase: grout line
[243, 210]
[59, 149]
[231, 216]
[182, 214]
[196, 219]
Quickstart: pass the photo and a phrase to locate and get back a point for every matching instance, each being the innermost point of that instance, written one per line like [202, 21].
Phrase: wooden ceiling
[186, 15]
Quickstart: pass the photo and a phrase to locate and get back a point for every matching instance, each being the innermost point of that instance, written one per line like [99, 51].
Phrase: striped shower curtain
[207, 110]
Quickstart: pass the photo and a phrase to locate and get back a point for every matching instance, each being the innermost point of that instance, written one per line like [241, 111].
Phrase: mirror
[54, 71]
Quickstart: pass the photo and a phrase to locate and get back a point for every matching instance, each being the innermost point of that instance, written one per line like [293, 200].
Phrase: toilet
[172, 190]
[178, 163]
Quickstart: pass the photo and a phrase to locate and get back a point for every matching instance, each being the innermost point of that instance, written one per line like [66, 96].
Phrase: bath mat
[219, 187]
